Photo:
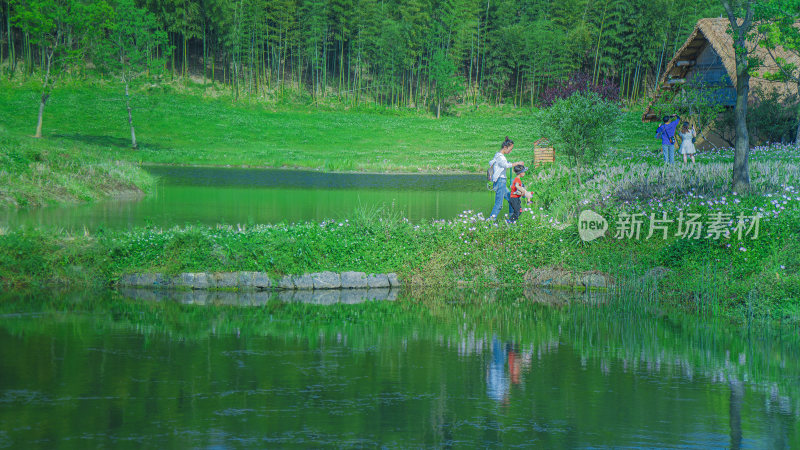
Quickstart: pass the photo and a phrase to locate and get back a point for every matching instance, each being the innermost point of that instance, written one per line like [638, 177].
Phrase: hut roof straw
[715, 32]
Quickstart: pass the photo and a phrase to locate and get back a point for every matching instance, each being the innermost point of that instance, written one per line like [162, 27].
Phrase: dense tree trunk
[741, 171]
[254, 45]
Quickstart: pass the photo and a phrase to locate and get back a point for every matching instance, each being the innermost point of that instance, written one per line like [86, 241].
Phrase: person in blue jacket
[666, 131]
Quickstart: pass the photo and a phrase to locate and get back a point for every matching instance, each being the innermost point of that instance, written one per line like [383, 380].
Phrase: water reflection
[481, 369]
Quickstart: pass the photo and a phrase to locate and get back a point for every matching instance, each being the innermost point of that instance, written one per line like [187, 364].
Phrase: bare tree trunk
[130, 117]
[204, 53]
[45, 95]
[41, 113]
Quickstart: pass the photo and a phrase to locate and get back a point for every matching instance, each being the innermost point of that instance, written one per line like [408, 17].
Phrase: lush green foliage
[773, 118]
[127, 48]
[777, 28]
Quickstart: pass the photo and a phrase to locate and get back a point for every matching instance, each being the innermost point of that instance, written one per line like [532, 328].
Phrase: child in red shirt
[517, 191]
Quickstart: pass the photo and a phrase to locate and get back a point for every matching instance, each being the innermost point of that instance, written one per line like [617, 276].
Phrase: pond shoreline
[704, 276]
[444, 171]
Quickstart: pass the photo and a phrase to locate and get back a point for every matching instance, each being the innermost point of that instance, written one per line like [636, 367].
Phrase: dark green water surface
[92, 370]
[247, 196]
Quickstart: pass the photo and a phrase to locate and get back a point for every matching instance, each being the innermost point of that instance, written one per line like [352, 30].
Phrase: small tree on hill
[582, 126]
[129, 49]
[63, 30]
[446, 82]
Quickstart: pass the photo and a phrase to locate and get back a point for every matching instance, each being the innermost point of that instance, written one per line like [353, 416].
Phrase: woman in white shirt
[687, 146]
[499, 165]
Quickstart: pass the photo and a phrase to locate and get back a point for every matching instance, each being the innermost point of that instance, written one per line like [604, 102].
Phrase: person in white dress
[687, 146]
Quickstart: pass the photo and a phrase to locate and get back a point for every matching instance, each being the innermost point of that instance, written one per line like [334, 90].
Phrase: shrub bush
[582, 126]
[773, 119]
[770, 119]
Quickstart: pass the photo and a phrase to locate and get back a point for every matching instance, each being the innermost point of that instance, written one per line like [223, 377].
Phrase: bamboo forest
[407, 52]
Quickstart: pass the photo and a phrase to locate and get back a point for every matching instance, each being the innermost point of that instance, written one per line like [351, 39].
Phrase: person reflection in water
[497, 383]
[505, 369]
[514, 369]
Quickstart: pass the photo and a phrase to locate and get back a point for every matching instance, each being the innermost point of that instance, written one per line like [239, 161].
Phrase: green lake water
[529, 369]
[250, 196]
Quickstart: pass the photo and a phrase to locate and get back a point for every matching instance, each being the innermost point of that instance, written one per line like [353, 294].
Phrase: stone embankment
[259, 298]
[261, 281]
[555, 277]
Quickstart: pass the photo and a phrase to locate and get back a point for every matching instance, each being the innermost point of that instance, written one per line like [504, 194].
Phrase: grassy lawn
[184, 128]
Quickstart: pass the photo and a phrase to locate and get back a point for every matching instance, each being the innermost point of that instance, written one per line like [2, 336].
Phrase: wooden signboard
[543, 155]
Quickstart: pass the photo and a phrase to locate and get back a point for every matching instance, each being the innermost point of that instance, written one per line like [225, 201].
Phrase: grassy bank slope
[179, 125]
[37, 172]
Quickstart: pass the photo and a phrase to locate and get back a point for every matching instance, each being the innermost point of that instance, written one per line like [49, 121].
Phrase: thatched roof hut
[707, 56]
